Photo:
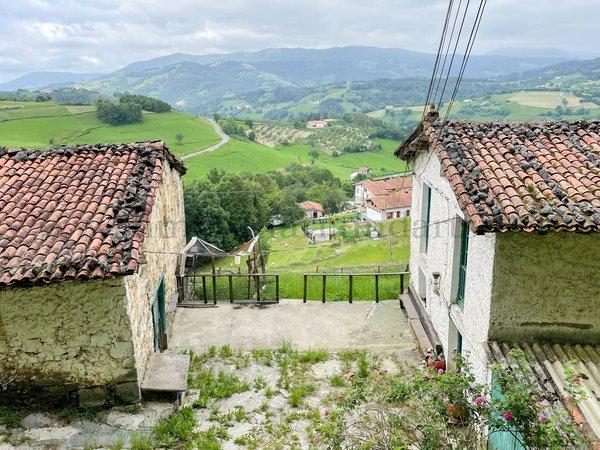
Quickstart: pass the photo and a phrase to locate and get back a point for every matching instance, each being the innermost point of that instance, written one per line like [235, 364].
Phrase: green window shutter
[426, 216]
[462, 263]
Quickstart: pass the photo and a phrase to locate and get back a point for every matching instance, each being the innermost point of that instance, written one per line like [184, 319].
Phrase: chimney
[432, 115]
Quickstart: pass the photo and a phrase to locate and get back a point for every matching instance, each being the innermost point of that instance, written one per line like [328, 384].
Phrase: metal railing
[351, 276]
[210, 288]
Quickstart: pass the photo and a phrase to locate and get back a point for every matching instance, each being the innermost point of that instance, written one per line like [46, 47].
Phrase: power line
[437, 58]
[447, 52]
[453, 53]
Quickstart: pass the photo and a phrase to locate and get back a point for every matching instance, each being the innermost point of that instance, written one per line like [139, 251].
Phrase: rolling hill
[239, 83]
[36, 80]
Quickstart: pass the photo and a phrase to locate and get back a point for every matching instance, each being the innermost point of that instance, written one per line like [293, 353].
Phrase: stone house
[312, 210]
[505, 244]
[90, 247]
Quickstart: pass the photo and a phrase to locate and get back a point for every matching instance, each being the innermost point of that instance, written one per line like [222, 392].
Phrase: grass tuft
[175, 429]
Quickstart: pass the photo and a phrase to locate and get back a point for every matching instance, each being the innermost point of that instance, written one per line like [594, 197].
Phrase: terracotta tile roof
[309, 205]
[518, 176]
[77, 213]
[383, 187]
[397, 199]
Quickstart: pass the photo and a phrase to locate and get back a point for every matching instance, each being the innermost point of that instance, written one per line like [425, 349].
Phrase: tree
[179, 138]
[204, 216]
[252, 135]
[118, 114]
[147, 103]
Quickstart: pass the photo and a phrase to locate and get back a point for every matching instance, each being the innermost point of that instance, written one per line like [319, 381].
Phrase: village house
[360, 171]
[312, 210]
[384, 199]
[505, 246]
[316, 124]
[90, 248]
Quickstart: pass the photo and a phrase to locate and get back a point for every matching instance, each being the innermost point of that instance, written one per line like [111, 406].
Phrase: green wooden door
[462, 263]
[159, 319]
[503, 439]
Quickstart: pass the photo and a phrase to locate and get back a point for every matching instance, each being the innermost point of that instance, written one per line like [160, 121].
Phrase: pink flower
[543, 418]
[479, 401]
[507, 416]
[426, 376]
[440, 370]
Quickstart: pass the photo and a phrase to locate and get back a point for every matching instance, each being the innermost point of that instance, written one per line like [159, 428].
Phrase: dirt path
[224, 140]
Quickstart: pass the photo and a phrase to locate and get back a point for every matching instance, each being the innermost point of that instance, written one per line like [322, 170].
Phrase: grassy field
[244, 156]
[526, 105]
[34, 124]
[290, 253]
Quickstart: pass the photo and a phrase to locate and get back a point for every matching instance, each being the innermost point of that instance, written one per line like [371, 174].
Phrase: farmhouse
[316, 124]
[313, 210]
[384, 199]
[360, 171]
[506, 243]
[391, 206]
[90, 244]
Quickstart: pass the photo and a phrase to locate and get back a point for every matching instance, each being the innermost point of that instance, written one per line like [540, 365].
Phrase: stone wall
[546, 287]
[163, 245]
[60, 338]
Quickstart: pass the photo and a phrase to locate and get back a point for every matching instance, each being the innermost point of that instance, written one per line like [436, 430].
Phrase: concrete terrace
[332, 325]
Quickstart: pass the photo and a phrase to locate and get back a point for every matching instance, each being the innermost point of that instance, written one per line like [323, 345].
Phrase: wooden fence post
[350, 288]
[376, 288]
[402, 283]
[257, 281]
[324, 288]
[230, 289]
[214, 286]
[304, 292]
[277, 288]
[204, 288]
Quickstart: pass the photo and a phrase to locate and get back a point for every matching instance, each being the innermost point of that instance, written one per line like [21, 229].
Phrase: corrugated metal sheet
[549, 363]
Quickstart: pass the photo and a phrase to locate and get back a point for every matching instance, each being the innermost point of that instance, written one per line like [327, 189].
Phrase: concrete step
[165, 377]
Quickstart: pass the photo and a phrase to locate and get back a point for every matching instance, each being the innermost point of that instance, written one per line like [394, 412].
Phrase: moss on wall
[546, 287]
[65, 336]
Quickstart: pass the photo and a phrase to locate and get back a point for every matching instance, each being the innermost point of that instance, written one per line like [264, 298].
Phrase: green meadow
[244, 156]
[36, 124]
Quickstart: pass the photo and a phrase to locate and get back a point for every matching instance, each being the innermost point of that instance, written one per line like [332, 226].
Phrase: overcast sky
[103, 35]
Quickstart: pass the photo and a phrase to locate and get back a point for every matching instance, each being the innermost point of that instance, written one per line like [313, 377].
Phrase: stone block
[91, 398]
[128, 392]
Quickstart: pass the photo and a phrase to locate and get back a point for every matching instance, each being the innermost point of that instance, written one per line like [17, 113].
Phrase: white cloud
[92, 35]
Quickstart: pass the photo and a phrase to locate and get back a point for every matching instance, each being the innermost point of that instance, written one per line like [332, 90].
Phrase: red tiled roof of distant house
[537, 176]
[395, 200]
[384, 187]
[311, 206]
[77, 213]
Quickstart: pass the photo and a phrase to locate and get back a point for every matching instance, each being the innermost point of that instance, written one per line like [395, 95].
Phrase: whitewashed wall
[442, 257]
[379, 216]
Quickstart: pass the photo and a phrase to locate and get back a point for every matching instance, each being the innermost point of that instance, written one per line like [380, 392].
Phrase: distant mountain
[542, 53]
[588, 70]
[37, 80]
[310, 67]
[223, 83]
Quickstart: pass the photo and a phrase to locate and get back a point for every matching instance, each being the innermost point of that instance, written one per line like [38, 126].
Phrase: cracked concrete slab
[333, 325]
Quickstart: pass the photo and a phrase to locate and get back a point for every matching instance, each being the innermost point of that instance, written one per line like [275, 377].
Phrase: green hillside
[244, 156]
[32, 124]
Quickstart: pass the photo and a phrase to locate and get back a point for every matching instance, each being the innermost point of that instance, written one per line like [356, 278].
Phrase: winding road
[224, 139]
